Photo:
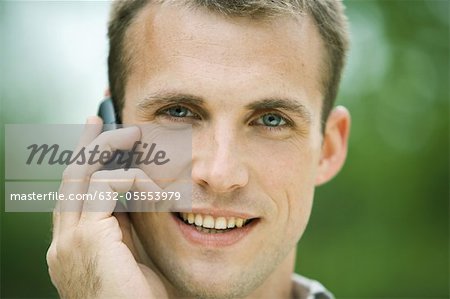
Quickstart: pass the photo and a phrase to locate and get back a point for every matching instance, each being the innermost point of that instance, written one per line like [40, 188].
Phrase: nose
[218, 160]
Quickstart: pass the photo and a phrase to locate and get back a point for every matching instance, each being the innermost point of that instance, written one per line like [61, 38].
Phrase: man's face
[252, 91]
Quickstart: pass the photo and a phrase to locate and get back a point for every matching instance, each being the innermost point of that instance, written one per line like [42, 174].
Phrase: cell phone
[108, 113]
[111, 121]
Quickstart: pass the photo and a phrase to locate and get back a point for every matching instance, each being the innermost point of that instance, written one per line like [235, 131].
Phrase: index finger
[92, 129]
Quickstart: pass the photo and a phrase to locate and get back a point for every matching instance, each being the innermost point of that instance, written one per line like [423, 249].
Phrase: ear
[334, 146]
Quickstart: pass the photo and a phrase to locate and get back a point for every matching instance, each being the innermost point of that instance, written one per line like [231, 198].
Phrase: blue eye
[178, 111]
[271, 120]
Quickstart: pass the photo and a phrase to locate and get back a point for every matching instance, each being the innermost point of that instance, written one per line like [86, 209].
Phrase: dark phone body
[111, 121]
[107, 112]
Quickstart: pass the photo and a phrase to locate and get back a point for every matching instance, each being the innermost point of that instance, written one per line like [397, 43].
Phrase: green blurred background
[379, 230]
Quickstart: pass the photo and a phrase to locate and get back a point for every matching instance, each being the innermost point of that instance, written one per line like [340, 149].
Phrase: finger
[91, 130]
[109, 181]
[111, 141]
[76, 177]
[70, 208]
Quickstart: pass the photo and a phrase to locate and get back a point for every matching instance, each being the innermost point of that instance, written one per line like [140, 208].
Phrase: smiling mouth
[214, 225]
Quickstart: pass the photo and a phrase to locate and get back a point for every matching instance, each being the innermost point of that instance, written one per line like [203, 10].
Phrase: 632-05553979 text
[98, 195]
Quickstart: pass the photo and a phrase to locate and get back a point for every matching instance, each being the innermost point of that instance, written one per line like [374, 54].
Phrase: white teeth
[231, 222]
[191, 218]
[208, 222]
[198, 220]
[239, 222]
[221, 223]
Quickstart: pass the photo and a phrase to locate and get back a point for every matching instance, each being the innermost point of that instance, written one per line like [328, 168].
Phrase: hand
[92, 254]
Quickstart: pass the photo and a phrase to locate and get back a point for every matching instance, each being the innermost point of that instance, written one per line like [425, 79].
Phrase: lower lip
[213, 240]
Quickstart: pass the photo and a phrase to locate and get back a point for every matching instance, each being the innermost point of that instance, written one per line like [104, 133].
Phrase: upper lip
[221, 213]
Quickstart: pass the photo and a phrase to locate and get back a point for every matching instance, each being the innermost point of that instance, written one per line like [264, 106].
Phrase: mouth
[210, 225]
[214, 231]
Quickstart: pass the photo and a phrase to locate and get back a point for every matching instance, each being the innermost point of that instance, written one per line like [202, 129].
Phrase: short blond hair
[328, 16]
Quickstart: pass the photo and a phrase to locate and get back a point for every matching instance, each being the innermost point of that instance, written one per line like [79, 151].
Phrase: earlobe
[335, 144]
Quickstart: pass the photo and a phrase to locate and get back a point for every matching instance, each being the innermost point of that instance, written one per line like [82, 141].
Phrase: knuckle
[137, 172]
[104, 135]
[73, 172]
[51, 255]
[103, 139]
[98, 175]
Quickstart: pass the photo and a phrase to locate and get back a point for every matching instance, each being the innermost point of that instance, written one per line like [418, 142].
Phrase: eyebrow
[289, 105]
[159, 99]
[156, 100]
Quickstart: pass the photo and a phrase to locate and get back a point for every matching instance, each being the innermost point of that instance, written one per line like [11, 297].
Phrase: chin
[212, 287]
[203, 279]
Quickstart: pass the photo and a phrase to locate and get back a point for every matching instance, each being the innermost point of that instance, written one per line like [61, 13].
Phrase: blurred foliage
[379, 230]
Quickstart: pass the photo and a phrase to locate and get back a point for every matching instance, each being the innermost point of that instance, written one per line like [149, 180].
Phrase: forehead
[177, 45]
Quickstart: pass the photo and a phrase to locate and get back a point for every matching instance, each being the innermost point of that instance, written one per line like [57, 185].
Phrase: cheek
[150, 228]
[286, 173]
[284, 166]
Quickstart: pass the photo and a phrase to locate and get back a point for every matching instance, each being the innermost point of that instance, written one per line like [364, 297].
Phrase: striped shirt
[305, 288]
